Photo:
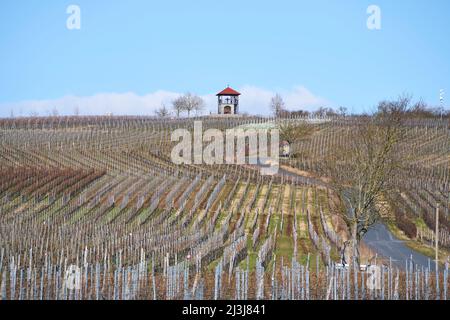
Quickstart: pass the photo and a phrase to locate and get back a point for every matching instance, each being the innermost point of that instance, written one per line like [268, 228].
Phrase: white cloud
[103, 103]
[254, 100]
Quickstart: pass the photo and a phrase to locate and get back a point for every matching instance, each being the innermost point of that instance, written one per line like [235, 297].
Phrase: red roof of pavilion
[228, 92]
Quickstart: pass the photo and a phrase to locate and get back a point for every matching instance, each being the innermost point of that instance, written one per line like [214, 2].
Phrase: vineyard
[101, 197]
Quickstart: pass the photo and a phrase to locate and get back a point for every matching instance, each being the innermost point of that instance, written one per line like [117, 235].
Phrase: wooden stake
[437, 238]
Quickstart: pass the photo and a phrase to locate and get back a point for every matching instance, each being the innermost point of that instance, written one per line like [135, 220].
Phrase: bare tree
[192, 103]
[277, 105]
[11, 113]
[324, 112]
[342, 111]
[162, 112]
[34, 114]
[421, 109]
[300, 113]
[293, 132]
[178, 105]
[199, 106]
[76, 111]
[188, 103]
[360, 169]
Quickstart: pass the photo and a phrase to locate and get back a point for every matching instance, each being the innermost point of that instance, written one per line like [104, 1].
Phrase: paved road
[382, 241]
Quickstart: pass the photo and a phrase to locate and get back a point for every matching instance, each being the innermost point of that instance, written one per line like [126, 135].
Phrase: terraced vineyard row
[101, 196]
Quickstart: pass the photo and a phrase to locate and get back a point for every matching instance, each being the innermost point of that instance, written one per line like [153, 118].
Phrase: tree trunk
[355, 245]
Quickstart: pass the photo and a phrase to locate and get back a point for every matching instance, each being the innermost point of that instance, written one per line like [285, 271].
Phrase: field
[99, 199]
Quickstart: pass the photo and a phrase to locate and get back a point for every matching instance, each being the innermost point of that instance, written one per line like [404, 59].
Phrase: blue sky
[133, 55]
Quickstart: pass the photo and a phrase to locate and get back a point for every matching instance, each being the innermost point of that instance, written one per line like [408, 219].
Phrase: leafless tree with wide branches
[188, 103]
[277, 105]
[162, 112]
[360, 169]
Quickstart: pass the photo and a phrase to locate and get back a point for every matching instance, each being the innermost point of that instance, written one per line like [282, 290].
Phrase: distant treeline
[418, 109]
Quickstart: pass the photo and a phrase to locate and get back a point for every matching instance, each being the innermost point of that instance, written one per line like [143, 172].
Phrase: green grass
[285, 247]
[252, 256]
[420, 223]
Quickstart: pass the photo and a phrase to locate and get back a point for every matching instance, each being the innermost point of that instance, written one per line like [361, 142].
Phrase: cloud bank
[254, 100]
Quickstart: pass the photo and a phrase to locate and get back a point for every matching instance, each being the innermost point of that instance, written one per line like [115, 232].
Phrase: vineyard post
[437, 251]
[355, 281]
[445, 279]
[3, 286]
[437, 237]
